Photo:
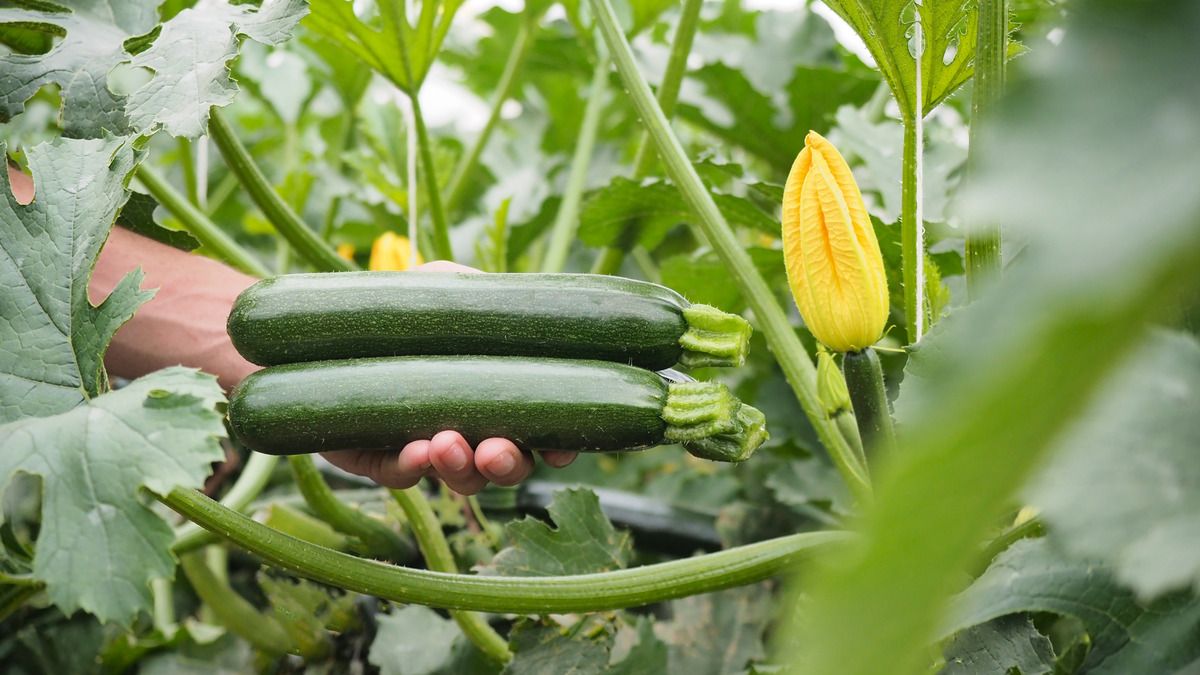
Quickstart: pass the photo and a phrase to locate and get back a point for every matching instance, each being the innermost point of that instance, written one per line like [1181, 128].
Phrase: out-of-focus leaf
[158, 432]
[716, 633]
[52, 339]
[581, 541]
[546, 647]
[306, 610]
[702, 278]
[999, 646]
[1104, 110]
[1125, 487]
[647, 655]
[1127, 636]
[414, 640]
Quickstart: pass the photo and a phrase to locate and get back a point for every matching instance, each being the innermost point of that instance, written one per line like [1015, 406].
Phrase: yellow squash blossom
[391, 252]
[346, 251]
[833, 262]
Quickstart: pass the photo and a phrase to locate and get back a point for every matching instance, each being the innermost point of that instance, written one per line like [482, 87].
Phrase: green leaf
[53, 338]
[180, 93]
[998, 647]
[1127, 635]
[305, 610]
[138, 216]
[582, 540]
[546, 647]
[717, 633]
[413, 640]
[702, 278]
[647, 655]
[158, 432]
[92, 37]
[1136, 445]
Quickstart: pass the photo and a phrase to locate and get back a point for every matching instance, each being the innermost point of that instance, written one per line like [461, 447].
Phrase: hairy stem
[213, 238]
[566, 221]
[912, 230]
[520, 595]
[233, 611]
[249, 484]
[307, 243]
[711, 225]
[983, 244]
[428, 530]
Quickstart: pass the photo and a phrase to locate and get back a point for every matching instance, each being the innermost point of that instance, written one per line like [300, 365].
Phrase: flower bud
[833, 262]
[831, 385]
[391, 252]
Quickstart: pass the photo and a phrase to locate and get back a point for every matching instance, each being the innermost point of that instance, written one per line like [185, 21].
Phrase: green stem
[566, 221]
[163, 614]
[781, 336]
[983, 244]
[868, 397]
[300, 525]
[428, 530]
[187, 162]
[1026, 530]
[512, 66]
[249, 484]
[519, 595]
[204, 230]
[379, 539]
[912, 230]
[306, 242]
[13, 598]
[609, 260]
[233, 611]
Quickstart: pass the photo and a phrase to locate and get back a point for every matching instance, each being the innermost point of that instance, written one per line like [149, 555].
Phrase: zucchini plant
[955, 326]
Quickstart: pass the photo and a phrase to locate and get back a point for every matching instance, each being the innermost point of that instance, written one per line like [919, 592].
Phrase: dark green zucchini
[316, 317]
[589, 406]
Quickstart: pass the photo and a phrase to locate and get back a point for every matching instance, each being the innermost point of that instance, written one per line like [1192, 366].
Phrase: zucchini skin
[315, 317]
[382, 403]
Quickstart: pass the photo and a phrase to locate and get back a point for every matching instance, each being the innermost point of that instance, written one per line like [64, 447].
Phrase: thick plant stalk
[797, 366]
[984, 256]
[198, 225]
[233, 611]
[609, 260]
[864, 381]
[512, 67]
[245, 489]
[379, 539]
[566, 221]
[307, 243]
[521, 595]
[912, 231]
[428, 530]
[188, 164]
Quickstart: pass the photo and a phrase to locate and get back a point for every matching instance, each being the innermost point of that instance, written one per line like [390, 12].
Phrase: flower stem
[441, 231]
[213, 238]
[868, 397]
[566, 221]
[249, 484]
[307, 243]
[512, 66]
[428, 530]
[187, 162]
[712, 226]
[984, 257]
[912, 229]
[380, 540]
[522, 595]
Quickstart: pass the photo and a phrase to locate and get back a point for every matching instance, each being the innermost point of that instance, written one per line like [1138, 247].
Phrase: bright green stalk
[795, 362]
[519, 595]
[233, 611]
[188, 163]
[205, 231]
[306, 242]
[609, 260]
[512, 66]
[566, 221]
[163, 612]
[912, 230]
[983, 245]
[249, 484]
[380, 539]
[864, 381]
[428, 530]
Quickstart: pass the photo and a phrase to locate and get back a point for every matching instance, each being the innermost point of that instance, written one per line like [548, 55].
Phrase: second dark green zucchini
[316, 317]
[589, 406]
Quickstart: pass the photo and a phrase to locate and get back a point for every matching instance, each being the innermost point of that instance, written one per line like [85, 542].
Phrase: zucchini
[316, 317]
[588, 406]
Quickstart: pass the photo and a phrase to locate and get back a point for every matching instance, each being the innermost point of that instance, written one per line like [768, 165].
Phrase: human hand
[447, 456]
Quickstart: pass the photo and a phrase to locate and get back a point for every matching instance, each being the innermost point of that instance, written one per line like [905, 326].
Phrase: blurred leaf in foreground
[1095, 166]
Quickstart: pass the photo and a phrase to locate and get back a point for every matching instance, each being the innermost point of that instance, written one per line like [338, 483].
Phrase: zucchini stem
[864, 380]
[714, 338]
[520, 595]
[249, 484]
[710, 423]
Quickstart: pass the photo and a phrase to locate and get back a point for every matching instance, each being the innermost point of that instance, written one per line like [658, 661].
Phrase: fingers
[444, 266]
[502, 462]
[558, 458]
[392, 469]
[451, 456]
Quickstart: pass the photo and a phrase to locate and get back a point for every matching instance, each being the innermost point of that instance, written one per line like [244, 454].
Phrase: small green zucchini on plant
[315, 317]
[587, 406]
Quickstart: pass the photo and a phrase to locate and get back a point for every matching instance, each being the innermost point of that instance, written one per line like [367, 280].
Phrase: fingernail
[456, 458]
[503, 464]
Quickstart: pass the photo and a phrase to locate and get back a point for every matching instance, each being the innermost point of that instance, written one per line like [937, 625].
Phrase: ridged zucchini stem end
[713, 338]
[711, 423]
